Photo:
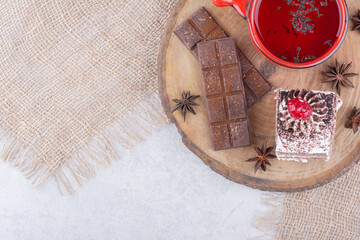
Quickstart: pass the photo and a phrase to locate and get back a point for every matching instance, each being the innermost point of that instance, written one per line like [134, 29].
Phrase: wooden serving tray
[179, 70]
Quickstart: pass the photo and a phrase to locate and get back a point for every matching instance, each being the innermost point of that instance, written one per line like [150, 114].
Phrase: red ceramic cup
[247, 8]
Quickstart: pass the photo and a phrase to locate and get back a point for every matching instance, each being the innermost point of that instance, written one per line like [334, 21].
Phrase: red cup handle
[239, 5]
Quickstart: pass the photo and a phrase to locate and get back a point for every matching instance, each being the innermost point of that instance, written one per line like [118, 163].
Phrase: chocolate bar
[302, 140]
[224, 94]
[202, 27]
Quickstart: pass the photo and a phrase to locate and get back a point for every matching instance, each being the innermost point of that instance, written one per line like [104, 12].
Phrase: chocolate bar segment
[224, 94]
[202, 27]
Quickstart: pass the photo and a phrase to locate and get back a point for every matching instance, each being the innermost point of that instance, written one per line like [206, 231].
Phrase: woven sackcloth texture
[77, 79]
[330, 212]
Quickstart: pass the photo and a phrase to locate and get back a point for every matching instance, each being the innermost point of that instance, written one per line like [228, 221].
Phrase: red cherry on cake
[300, 109]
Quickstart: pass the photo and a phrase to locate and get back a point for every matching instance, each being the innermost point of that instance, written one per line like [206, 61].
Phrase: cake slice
[305, 125]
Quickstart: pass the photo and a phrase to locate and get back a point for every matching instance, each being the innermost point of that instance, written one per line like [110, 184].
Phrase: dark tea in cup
[298, 30]
[294, 33]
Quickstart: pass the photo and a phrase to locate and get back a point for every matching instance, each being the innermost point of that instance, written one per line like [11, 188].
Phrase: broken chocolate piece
[224, 94]
[200, 27]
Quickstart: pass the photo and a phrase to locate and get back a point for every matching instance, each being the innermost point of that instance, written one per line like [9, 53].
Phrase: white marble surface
[156, 190]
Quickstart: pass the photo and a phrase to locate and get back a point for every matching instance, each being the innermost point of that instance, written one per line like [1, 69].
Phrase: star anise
[356, 20]
[354, 120]
[339, 75]
[186, 103]
[262, 159]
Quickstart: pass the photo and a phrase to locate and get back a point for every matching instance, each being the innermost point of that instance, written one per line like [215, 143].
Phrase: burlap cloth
[330, 212]
[325, 213]
[79, 77]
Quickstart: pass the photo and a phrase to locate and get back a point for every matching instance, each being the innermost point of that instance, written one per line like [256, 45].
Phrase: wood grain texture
[179, 70]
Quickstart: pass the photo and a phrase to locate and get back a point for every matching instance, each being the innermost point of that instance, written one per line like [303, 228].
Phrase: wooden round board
[179, 70]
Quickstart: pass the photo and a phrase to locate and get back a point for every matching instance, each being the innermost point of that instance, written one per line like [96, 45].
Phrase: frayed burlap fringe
[100, 152]
[330, 212]
[268, 223]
